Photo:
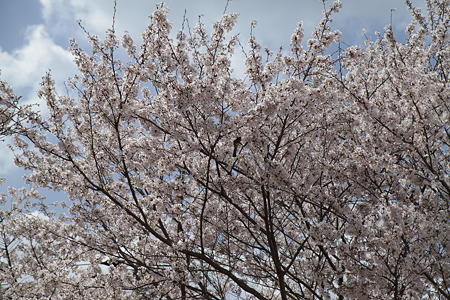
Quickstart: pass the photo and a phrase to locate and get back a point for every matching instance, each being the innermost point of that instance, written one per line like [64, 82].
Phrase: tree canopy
[321, 174]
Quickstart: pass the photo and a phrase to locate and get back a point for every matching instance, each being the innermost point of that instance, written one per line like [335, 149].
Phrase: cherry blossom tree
[323, 174]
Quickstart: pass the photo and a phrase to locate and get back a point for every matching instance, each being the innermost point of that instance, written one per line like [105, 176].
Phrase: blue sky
[35, 33]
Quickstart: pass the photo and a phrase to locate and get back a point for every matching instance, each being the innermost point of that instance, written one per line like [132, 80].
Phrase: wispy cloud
[24, 67]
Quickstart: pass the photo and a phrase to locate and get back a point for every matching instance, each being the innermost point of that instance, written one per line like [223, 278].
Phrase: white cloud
[24, 68]
[61, 15]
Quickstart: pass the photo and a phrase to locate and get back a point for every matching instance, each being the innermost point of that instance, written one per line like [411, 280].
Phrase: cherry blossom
[323, 174]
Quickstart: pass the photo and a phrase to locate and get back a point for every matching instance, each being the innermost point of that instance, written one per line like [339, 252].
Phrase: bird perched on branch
[236, 143]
